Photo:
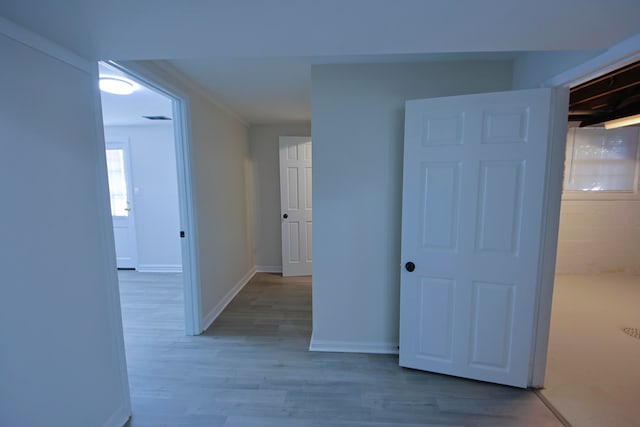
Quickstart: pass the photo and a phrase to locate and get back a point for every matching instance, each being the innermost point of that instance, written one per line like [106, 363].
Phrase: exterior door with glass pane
[120, 190]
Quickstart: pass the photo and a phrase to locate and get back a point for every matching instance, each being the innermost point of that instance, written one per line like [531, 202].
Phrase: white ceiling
[255, 55]
[260, 90]
[121, 110]
[266, 90]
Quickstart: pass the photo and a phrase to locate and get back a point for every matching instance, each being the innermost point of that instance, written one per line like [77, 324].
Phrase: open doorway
[143, 182]
[150, 194]
[592, 377]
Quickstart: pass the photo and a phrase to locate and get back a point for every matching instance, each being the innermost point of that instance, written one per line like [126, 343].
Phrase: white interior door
[295, 202]
[122, 213]
[472, 217]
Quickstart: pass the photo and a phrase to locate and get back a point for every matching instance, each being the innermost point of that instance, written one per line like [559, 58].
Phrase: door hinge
[182, 234]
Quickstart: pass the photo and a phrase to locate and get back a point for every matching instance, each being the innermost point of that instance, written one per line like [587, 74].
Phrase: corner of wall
[213, 314]
[268, 269]
[119, 418]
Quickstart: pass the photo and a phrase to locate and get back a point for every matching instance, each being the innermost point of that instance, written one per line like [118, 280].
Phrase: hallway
[253, 368]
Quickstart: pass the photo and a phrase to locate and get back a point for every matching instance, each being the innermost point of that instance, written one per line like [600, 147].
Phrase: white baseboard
[160, 268]
[268, 268]
[217, 310]
[119, 417]
[353, 347]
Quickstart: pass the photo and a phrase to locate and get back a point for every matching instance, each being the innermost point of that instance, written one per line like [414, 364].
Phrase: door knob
[410, 266]
[285, 216]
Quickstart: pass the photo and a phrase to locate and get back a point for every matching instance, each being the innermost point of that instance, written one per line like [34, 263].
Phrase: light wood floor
[593, 372]
[253, 368]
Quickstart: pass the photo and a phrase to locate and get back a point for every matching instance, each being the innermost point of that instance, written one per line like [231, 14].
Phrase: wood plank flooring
[253, 368]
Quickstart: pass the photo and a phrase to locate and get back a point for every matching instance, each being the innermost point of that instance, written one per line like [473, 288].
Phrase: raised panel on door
[438, 216]
[499, 211]
[507, 125]
[296, 205]
[308, 181]
[435, 300]
[492, 316]
[293, 193]
[294, 242]
[473, 189]
[308, 240]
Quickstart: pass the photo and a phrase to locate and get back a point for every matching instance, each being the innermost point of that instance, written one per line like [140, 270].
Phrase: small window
[601, 163]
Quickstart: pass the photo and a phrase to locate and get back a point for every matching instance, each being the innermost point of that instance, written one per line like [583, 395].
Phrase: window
[601, 163]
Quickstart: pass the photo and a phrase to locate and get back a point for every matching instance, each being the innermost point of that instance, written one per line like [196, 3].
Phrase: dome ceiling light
[116, 85]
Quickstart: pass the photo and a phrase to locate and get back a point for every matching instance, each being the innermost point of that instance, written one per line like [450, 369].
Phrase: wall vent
[157, 117]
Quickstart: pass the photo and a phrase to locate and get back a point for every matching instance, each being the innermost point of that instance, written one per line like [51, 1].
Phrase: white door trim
[549, 239]
[617, 56]
[186, 202]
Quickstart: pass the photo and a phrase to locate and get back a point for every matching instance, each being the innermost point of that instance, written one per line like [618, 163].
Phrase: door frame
[617, 56]
[186, 201]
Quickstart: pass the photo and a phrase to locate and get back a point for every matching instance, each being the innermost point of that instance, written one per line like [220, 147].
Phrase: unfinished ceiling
[611, 96]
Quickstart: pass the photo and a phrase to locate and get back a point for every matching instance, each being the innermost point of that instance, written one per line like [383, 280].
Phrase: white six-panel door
[296, 206]
[474, 180]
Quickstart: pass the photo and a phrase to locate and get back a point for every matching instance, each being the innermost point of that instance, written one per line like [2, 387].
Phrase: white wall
[264, 143]
[601, 236]
[155, 193]
[357, 131]
[220, 174]
[218, 154]
[531, 69]
[62, 352]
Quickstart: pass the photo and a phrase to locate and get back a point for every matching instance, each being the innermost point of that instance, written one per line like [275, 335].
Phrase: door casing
[186, 202]
[619, 55]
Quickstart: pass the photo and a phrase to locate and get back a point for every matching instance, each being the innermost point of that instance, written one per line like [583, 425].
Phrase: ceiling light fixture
[624, 121]
[116, 85]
